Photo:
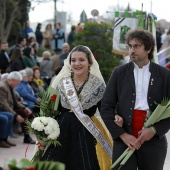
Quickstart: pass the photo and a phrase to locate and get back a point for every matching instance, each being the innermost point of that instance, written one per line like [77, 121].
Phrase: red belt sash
[138, 121]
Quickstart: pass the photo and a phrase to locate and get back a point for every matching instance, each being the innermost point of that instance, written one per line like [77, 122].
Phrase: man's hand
[118, 120]
[129, 140]
[19, 119]
[144, 135]
[28, 111]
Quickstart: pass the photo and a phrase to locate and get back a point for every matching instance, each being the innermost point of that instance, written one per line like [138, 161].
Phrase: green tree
[98, 37]
[12, 13]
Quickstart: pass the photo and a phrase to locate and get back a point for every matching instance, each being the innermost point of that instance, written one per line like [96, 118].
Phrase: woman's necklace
[78, 87]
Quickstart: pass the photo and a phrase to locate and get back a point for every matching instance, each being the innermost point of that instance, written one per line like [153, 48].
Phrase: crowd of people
[23, 73]
[51, 38]
[92, 114]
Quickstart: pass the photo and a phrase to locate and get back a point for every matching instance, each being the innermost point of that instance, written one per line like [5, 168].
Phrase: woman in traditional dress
[85, 142]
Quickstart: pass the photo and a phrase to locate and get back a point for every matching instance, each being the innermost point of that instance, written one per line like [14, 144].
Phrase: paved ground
[19, 152]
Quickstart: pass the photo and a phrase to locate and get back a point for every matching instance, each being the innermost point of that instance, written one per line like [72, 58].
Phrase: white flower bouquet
[161, 112]
[45, 127]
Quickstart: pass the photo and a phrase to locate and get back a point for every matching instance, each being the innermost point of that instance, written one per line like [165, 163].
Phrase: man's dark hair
[145, 38]
[20, 39]
[27, 51]
[59, 24]
[73, 27]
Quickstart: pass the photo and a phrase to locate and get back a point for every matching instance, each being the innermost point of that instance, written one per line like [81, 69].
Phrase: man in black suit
[133, 91]
[4, 58]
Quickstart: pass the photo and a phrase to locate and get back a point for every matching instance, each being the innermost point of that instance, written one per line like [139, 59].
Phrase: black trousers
[24, 115]
[151, 155]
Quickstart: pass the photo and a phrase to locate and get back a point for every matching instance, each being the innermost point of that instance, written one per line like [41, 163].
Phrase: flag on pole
[127, 20]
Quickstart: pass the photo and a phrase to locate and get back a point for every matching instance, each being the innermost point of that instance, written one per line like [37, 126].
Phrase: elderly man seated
[9, 103]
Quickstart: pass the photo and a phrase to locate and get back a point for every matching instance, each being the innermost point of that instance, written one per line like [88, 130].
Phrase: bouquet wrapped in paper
[161, 112]
[44, 126]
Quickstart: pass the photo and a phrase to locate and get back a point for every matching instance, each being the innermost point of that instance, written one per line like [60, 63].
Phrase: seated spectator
[9, 103]
[6, 124]
[35, 46]
[56, 73]
[20, 99]
[20, 43]
[30, 40]
[46, 67]
[28, 58]
[36, 77]
[46, 64]
[26, 91]
[55, 63]
[4, 76]
[64, 53]
[17, 62]
[4, 58]
[32, 83]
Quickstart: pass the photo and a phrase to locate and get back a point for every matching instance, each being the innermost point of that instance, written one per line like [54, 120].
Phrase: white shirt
[142, 77]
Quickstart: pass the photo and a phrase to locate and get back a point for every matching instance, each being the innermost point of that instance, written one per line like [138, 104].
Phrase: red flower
[95, 55]
[168, 66]
[30, 168]
[53, 97]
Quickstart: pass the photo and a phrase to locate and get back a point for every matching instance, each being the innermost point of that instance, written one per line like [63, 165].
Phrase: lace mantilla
[91, 94]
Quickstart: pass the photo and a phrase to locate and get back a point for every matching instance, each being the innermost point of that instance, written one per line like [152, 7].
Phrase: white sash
[84, 119]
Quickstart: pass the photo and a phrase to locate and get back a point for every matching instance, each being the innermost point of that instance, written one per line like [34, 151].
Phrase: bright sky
[74, 7]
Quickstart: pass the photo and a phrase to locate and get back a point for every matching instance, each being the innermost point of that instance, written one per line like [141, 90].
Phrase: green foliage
[20, 17]
[37, 165]
[48, 108]
[98, 37]
[16, 31]
[47, 105]
[49, 102]
[165, 101]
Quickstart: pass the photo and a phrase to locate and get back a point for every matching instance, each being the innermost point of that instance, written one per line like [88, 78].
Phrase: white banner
[121, 27]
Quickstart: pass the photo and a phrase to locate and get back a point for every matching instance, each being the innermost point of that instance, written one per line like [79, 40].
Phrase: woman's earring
[71, 71]
[89, 69]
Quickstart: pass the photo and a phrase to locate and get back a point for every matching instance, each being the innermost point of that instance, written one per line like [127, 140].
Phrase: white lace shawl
[91, 93]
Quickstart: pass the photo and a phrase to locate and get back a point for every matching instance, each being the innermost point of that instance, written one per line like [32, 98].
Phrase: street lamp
[55, 11]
